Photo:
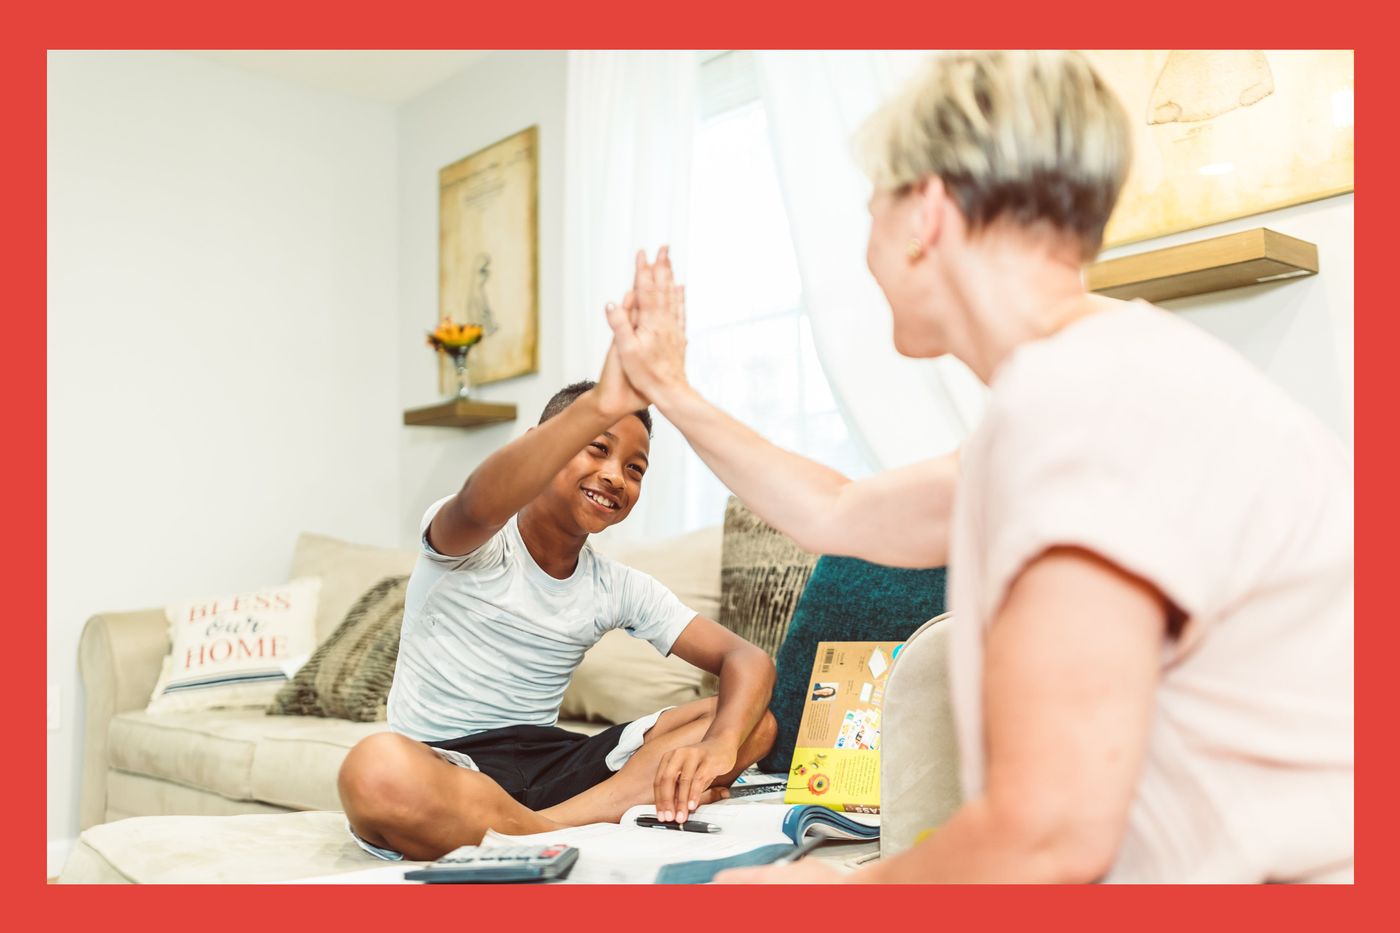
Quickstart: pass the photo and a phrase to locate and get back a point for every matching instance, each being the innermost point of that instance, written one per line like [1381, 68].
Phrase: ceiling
[384, 75]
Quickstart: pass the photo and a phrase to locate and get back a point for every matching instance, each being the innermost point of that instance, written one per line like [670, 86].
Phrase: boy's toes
[714, 794]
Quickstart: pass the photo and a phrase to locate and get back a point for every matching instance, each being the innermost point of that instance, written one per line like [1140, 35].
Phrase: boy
[504, 600]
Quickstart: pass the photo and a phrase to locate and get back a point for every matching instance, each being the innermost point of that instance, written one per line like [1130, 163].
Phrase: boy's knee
[374, 780]
[765, 733]
[768, 725]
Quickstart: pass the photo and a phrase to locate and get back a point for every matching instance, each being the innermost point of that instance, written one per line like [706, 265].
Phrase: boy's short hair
[570, 393]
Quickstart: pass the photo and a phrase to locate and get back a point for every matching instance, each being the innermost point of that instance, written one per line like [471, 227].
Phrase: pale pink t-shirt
[1143, 439]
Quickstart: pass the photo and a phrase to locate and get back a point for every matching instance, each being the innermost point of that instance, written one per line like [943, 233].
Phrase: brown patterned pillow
[350, 674]
[762, 574]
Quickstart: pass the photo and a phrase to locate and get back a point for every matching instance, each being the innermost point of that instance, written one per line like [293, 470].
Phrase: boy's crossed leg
[633, 784]
[400, 794]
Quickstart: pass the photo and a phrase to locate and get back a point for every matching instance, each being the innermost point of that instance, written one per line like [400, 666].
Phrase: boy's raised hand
[616, 395]
[649, 329]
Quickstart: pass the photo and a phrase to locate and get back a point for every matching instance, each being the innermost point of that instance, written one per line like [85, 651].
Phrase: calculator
[498, 865]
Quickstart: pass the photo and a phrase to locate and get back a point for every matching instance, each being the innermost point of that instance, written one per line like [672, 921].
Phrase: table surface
[835, 852]
[613, 861]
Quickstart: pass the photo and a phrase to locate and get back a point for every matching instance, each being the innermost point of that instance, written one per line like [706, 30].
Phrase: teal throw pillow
[846, 599]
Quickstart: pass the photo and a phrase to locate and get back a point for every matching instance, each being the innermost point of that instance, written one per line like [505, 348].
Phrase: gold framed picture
[488, 256]
[1220, 134]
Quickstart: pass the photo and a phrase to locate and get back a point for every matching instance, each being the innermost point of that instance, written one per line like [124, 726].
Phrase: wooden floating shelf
[1231, 261]
[460, 413]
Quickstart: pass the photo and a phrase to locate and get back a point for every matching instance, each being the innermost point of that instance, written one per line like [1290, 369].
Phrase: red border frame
[433, 24]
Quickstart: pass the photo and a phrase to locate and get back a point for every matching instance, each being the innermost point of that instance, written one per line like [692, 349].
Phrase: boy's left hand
[684, 774]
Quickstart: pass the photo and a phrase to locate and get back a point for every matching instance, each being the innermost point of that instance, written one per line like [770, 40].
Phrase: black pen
[689, 826]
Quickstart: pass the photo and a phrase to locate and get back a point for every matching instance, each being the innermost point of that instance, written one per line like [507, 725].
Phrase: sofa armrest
[919, 783]
[120, 656]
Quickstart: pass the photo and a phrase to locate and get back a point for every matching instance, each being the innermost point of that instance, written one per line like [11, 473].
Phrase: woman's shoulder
[1133, 341]
[1138, 363]
[1141, 390]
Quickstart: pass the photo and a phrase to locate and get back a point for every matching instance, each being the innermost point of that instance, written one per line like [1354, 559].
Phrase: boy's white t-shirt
[490, 640]
[1140, 437]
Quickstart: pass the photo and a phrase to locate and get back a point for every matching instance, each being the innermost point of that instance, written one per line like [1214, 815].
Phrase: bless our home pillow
[229, 651]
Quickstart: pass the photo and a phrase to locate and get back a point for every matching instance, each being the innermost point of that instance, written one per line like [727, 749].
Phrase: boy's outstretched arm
[746, 677]
[519, 471]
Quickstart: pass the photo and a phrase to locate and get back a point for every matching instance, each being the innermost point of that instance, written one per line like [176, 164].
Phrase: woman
[1150, 545]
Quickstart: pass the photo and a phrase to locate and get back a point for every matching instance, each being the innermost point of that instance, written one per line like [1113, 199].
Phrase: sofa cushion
[217, 849]
[763, 574]
[288, 761]
[349, 675]
[623, 678]
[291, 761]
[346, 571]
[847, 599]
[687, 565]
[131, 795]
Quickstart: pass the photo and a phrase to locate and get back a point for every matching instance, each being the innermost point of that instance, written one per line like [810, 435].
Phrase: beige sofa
[226, 762]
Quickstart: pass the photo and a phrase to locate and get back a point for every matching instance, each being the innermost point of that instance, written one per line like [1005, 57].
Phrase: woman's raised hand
[649, 329]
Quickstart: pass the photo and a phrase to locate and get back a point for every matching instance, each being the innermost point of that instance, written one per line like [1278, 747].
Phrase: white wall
[483, 104]
[222, 360]
[1299, 332]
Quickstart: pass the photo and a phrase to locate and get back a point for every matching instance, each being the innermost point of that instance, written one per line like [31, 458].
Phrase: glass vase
[463, 375]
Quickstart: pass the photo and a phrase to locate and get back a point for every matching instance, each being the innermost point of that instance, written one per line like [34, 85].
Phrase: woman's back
[1139, 437]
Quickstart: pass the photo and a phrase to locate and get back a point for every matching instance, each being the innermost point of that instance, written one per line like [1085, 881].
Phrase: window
[751, 350]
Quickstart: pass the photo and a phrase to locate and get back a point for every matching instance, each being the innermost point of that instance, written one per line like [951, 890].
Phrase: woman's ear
[929, 201]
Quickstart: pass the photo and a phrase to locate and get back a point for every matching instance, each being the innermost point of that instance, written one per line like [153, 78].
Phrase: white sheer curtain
[629, 135]
[900, 410]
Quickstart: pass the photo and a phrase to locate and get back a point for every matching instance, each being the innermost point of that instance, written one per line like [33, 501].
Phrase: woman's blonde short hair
[1028, 136]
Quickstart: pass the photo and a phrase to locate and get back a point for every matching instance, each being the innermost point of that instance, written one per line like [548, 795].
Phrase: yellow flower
[450, 335]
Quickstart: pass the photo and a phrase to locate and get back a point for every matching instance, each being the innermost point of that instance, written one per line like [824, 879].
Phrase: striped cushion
[762, 574]
[349, 676]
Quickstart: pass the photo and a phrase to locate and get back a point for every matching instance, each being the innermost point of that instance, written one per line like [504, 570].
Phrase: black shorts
[539, 766]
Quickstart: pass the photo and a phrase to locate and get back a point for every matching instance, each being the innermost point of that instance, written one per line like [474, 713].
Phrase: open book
[812, 820]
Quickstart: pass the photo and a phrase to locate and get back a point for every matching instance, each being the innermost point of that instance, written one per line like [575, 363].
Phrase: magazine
[836, 763]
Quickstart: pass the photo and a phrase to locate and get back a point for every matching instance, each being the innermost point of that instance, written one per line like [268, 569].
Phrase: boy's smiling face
[599, 486]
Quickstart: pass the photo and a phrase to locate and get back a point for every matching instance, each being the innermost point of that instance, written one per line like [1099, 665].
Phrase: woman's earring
[915, 249]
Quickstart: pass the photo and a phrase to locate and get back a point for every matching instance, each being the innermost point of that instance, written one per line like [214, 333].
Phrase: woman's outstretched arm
[899, 517]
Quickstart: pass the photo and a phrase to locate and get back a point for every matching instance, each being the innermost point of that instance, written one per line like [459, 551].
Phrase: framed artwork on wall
[488, 256]
[1220, 134]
